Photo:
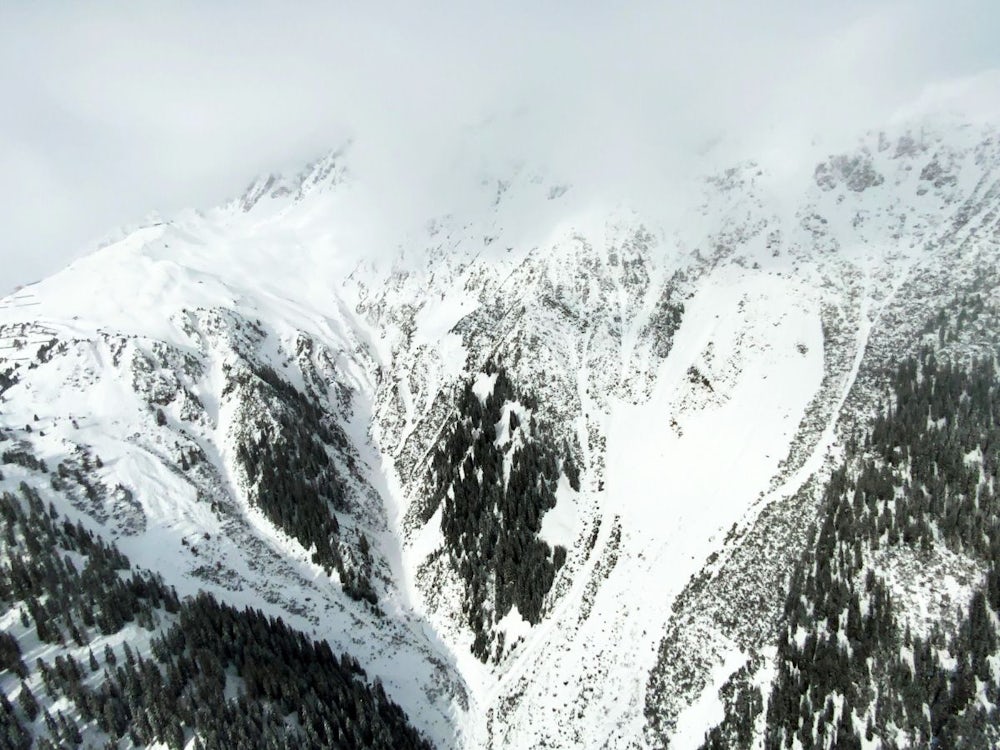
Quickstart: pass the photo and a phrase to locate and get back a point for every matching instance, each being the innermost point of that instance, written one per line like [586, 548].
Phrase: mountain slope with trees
[542, 464]
[494, 475]
[135, 664]
[854, 666]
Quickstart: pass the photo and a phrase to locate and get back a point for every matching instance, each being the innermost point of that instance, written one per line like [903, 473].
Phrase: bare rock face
[854, 171]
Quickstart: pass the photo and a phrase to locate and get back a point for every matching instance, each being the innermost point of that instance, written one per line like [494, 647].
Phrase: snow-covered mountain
[543, 465]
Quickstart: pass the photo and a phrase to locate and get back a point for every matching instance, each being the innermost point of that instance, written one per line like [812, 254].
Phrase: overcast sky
[113, 110]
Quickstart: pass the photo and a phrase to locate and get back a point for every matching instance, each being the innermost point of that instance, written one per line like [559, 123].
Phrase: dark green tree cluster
[77, 470]
[67, 602]
[23, 457]
[292, 476]
[966, 317]
[925, 475]
[493, 498]
[290, 692]
[743, 702]
[8, 378]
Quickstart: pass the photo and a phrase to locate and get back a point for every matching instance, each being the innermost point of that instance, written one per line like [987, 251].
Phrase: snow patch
[707, 710]
[514, 625]
[483, 385]
[561, 524]
[928, 585]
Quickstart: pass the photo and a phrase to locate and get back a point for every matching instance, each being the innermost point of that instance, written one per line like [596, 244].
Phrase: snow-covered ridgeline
[697, 369]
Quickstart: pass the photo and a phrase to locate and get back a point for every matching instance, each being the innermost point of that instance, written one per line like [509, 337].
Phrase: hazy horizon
[112, 113]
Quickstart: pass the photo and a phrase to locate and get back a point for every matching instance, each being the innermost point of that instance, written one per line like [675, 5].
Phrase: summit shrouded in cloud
[113, 112]
[501, 377]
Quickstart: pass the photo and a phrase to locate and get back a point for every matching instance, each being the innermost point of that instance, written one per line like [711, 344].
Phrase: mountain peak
[551, 467]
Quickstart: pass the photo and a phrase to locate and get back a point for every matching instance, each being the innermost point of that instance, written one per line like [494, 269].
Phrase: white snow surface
[681, 436]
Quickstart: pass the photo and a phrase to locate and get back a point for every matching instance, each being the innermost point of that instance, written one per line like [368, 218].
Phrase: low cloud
[113, 111]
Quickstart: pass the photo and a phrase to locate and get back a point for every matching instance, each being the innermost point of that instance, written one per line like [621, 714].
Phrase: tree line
[493, 497]
[848, 666]
[225, 677]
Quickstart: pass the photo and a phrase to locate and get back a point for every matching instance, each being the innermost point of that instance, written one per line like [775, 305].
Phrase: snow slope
[703, 370]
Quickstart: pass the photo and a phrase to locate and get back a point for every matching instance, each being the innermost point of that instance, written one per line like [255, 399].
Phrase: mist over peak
[112, 113]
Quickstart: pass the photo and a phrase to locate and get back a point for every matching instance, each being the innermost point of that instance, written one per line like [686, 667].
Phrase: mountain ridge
[758, 329]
